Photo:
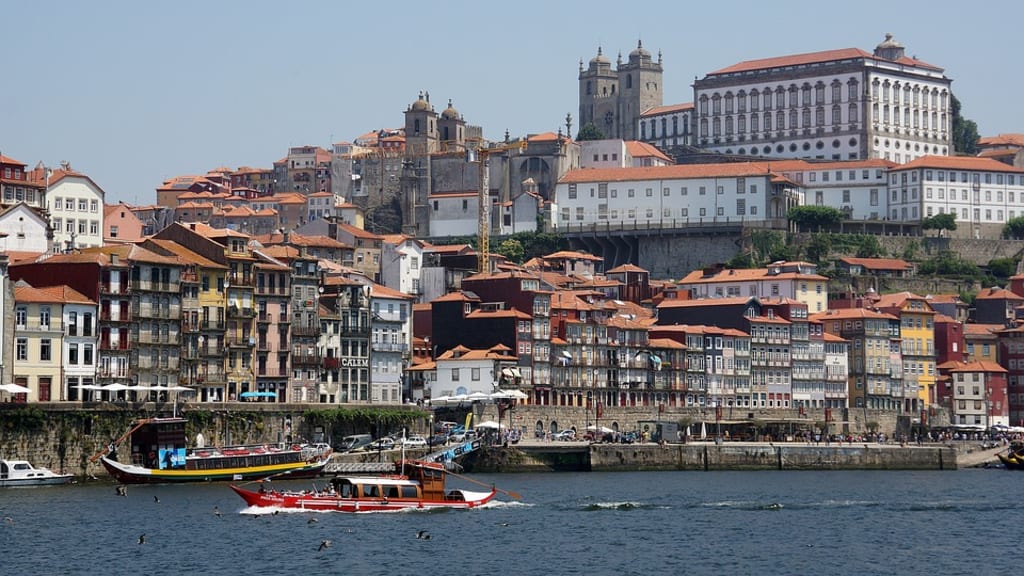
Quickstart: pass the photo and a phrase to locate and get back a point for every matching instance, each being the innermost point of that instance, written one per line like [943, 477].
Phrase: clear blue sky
[132, 93]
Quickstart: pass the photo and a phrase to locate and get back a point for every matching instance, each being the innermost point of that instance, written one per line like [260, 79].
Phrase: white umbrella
[440, 400]
[177, 388]
[703, 431]
[15, 388]
[477, 396]
[115, 387]
[90, 387]
[488, 424]
[601, 429]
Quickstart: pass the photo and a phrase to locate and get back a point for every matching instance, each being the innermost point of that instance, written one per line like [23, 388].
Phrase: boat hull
[20, 473]
[132, 474]
[1012, 461]
[324, 502]
[55, 480]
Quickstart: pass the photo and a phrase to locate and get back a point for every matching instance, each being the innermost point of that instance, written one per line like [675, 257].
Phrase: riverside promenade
[544, 455]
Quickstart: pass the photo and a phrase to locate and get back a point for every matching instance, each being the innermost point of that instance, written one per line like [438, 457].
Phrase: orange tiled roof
[878, 263]
[980, 366]
[667, 109]
[813, 58]
[62, 294]
[959, 163]
[639, 149]
[1002, 140]
[678, 171]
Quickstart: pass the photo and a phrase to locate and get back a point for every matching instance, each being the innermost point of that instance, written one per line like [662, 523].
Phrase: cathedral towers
[614, 99]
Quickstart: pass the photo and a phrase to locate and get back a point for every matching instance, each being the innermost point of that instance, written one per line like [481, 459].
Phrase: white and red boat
[412, 485]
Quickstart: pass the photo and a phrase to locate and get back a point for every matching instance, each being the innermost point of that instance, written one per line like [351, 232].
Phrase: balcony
[240, 312]
[271, 371]
[114, 289]
[305, 360]
[236, 279]
[331, 363]
[169, 313]
[264, 318]
[112, 372]
[240, 341]
[263, 346]
[305, 331]
[150, 286]
[124, 344]
[115, 316]
[33, 325]
[389, 347]
[212, 325]
[264, 290]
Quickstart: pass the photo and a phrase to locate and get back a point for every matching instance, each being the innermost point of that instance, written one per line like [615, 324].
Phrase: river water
[962, 522]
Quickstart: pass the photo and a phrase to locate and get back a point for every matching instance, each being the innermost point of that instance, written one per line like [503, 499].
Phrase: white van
[354, 442]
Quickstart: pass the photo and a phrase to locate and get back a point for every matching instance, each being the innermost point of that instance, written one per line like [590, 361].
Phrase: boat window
[372, 491]
[392, 492]
[21, 466]
[409, 492]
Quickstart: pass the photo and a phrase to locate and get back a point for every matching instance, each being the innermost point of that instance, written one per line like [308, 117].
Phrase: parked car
[414, 442]
[380, 444]
[462, 436]
[354, 442]
[566, 435]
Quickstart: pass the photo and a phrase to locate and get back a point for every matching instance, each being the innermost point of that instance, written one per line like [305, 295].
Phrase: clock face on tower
[609, 118]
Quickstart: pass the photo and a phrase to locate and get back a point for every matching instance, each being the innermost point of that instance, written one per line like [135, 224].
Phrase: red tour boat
[411, 485]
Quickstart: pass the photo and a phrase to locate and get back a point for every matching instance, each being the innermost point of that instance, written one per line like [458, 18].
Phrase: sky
[133, 93]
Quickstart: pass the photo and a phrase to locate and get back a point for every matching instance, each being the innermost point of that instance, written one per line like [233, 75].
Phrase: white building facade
[673, 196]
[390, 343]
[982, 192]
[76, 210]
[836, 104]
[667, 126]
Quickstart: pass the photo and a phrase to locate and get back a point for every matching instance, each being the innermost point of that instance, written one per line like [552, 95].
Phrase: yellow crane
[484, 232]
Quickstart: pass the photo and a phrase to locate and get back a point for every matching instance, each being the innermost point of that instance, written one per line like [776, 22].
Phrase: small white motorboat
[14, 473]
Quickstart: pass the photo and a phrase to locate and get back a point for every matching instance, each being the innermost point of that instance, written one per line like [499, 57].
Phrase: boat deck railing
[359, 467]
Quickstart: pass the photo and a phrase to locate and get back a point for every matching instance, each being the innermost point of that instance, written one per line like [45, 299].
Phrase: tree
[1014, 228]
[589, 131]
[940, 222]
[965, 132]
[814, 216]
[512, 250]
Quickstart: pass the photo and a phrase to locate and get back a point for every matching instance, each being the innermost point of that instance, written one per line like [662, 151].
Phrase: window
[21, 349]
[44, 317]
[87, 354]
[72, 324]
[455, 374]
[94, 206]
[83, 205]
[73, 354]
[45, 349]
[69, 204]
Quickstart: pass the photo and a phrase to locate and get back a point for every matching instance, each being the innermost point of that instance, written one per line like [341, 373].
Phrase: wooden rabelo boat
[158, 454]
[1014, 458]
[411, 485]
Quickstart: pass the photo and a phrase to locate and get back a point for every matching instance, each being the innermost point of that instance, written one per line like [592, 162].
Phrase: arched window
[629, 81]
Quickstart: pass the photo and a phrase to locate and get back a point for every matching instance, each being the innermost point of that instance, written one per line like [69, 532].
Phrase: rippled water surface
[964, 522]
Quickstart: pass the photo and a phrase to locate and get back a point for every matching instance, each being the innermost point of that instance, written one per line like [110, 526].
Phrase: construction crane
[484, 232]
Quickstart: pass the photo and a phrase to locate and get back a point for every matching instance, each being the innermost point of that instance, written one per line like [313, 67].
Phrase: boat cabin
[159, 443]
[424, 481]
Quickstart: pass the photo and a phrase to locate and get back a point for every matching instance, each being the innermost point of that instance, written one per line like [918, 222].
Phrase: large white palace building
[838, 104]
